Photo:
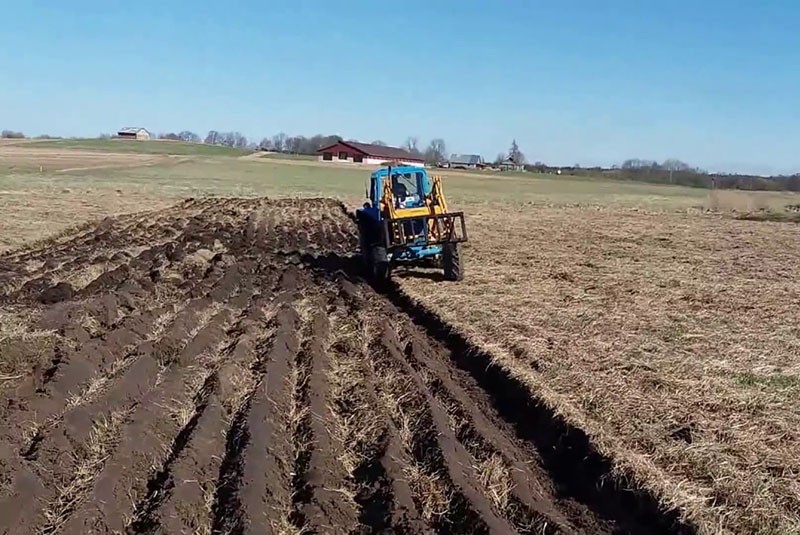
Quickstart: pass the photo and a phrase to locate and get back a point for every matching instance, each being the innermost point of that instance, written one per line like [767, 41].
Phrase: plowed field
[220, 367]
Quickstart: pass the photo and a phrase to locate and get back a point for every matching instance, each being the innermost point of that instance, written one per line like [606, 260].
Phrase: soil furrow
[254, 483]
[62, 447]
[435, 443]
[169, 481]
[99, 252]
[158, 430]
[359, 425]
[70, 242]
[101, 356]
[516, 492]
[75, 374]
[323, 497]
[183, 499]
[404, 512]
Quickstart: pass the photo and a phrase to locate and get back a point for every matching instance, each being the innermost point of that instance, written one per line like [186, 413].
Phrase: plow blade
[434, 229]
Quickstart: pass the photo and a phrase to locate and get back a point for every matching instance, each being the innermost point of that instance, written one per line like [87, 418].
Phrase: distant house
[353, 152]
[510, 165]
[133, 132]
[467, 161]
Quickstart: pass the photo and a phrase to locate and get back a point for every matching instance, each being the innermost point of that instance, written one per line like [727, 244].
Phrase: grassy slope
[140, 147]
[277, 177]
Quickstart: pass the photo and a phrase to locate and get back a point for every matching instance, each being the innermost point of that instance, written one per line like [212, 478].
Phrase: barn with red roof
[366, 153]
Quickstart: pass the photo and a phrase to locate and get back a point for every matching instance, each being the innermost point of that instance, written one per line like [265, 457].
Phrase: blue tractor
[407, 221]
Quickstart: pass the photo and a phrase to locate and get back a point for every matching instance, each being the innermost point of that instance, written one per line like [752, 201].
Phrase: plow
[407, 221]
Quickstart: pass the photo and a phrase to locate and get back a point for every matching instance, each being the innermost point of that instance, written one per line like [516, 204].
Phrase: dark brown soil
[229, 371]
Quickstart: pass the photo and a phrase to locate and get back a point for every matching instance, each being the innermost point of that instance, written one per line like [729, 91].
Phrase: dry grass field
[672, 339]
[653, 318]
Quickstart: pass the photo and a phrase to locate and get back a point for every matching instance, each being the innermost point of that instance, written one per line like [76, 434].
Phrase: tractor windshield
[406, 189]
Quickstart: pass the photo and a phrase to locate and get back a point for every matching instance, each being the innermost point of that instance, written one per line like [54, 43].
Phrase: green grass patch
[768, 215]
[140, 147]
[778, 381]
[273, 177]
[282, 156]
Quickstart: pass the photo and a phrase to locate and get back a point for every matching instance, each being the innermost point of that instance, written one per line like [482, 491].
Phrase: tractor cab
[408, 186]
[406, 220]
[409, 189]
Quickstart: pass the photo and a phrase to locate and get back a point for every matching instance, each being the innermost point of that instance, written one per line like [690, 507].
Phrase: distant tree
[229, 139]
[104, 136]
[313, 144]
[327, 141]
[212, 138]
[637, 163]
[279, 142]
[294, 144]
[411, 145]
[189, 137]
[10, 134]
[675, 165]
[515, 155]
[499, 159]
[436, 152]
[170, 136]
[539, 167]
[379, 142]
[225, 139]
[298, 144]
[239, 141]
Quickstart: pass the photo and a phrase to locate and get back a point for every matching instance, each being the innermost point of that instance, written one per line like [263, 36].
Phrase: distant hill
[142, 147]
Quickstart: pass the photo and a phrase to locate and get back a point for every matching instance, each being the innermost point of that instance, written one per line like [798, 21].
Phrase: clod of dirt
[55, 294]
[202, 256]
[176, 253]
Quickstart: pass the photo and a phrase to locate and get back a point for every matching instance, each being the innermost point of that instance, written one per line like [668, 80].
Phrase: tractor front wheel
[452, 262]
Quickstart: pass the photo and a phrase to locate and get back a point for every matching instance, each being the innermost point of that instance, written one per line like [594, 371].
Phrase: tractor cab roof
[400, 169]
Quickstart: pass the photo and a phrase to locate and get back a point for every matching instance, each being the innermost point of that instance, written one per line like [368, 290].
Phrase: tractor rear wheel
[365, 249]
[452, 262]
[380, 267]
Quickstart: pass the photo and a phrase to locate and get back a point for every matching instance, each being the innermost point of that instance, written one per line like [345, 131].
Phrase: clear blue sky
[715, 83]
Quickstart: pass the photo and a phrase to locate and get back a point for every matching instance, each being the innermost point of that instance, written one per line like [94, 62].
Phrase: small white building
[134, 132]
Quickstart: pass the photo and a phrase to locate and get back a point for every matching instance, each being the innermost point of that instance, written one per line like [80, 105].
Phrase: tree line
[434, 152]
[12, 134]
[673, 171]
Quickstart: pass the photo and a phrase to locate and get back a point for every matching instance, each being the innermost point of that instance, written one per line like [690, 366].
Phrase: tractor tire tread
[452, 262]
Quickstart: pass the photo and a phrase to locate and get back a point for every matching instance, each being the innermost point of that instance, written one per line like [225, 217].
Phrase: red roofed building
[352, 152]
